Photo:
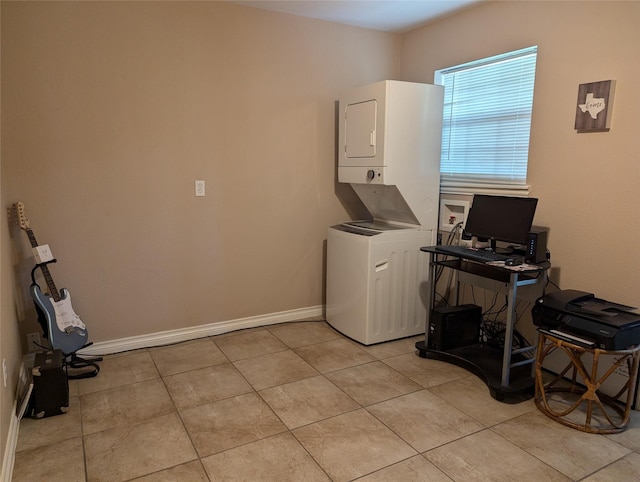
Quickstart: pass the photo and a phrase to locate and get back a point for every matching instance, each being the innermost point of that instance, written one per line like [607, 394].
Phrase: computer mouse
[512, 262]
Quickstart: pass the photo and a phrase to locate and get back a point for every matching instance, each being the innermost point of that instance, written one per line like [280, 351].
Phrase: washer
[376, 280]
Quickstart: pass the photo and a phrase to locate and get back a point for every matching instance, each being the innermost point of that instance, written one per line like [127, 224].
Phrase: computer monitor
[501, 218]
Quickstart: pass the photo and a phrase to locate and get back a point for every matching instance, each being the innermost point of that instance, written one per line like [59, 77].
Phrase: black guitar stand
[88, 367]
[75, 362]
[42, 319]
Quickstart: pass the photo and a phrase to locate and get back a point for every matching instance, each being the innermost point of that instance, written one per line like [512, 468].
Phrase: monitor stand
[494, 248]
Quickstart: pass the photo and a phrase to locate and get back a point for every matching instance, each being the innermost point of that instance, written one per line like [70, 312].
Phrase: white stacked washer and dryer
[389, 151]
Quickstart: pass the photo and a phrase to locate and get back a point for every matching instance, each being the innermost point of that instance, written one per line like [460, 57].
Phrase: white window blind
[486, 123]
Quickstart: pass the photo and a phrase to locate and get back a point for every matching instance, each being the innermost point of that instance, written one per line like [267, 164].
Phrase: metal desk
[516, 284]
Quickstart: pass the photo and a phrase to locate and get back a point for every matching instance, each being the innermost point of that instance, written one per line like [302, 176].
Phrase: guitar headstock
[21, 217]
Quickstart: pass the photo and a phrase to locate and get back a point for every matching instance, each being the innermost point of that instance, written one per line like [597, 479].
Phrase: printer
[582, 318]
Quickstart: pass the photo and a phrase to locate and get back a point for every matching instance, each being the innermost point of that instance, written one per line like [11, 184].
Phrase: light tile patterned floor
[300, 402]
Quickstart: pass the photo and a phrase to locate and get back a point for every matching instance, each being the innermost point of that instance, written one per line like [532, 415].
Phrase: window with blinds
[486, 123]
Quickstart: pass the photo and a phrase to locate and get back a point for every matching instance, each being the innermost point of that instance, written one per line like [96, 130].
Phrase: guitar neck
[44, 268]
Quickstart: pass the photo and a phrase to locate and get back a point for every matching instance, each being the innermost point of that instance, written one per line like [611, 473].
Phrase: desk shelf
[486, 363]
[501, 275]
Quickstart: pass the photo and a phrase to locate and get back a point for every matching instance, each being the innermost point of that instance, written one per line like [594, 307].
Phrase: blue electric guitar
[61, 324]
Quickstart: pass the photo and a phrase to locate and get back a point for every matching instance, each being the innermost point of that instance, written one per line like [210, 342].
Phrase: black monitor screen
[501, 218]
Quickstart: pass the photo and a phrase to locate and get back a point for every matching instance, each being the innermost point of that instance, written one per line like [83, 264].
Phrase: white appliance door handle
[381, 265]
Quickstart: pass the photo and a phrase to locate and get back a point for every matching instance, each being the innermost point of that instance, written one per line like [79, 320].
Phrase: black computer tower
[454, 327]
[536, 245]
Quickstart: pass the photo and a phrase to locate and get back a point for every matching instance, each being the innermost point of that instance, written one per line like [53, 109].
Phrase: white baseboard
[201, 331]
[10, 448]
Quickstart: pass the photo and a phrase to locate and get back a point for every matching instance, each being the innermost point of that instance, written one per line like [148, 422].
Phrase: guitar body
[65, 329]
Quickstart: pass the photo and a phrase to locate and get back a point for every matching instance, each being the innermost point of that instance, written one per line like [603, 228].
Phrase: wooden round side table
[580, 403]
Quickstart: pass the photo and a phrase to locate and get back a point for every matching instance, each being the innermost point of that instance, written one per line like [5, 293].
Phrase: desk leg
[508, 336]
[431, 289]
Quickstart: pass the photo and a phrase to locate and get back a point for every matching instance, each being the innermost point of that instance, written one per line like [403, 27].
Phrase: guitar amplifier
[50, 395]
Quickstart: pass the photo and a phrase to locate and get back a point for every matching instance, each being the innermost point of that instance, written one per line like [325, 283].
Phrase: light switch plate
[199, 188]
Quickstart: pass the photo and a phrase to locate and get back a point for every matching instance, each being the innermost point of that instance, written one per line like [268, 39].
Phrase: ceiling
[388, 15]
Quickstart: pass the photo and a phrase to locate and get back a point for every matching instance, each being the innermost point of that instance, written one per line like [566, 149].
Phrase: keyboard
[482, 255]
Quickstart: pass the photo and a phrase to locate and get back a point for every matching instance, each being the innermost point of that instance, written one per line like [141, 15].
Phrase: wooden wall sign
[595, 104]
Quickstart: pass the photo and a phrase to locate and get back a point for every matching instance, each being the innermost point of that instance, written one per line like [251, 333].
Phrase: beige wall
[10, 349]
[116, 108]
[9, 343]
[587, 184]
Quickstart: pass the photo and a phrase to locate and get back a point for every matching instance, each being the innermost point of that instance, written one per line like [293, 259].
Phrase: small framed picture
[595, 105]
